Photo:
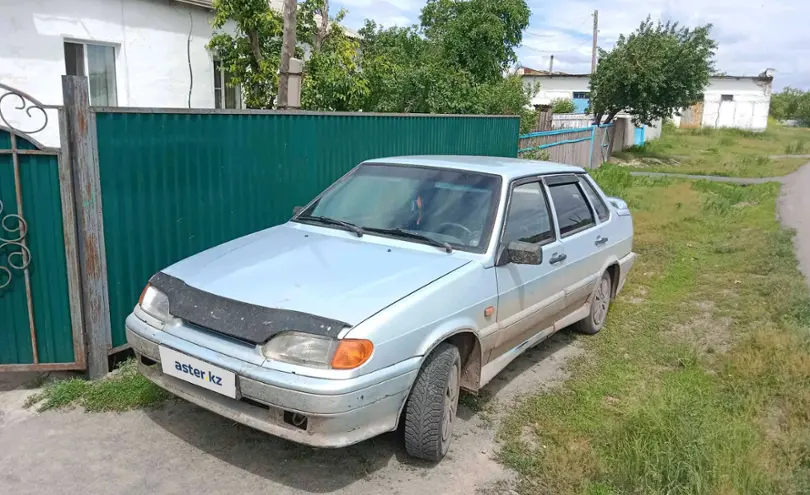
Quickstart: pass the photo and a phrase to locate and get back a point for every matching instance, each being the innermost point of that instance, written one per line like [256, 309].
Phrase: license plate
[198, 372]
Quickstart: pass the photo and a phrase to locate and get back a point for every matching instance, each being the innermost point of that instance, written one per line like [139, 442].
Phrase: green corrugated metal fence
[42, 212]
[176, 183]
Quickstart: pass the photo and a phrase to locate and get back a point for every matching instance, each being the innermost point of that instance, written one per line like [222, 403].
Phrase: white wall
[748, 110]
[552, 87]
[151, 57]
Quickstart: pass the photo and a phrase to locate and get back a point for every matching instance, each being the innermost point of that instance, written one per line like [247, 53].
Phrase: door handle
[600, 240]
[557, 258]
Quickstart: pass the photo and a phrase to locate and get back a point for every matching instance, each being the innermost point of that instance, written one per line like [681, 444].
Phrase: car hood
[330, 276]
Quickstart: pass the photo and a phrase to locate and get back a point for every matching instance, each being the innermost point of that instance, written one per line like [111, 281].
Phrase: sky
[752, 35]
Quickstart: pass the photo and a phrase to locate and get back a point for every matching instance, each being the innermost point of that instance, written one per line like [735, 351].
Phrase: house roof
[766, 75]
[528, 71]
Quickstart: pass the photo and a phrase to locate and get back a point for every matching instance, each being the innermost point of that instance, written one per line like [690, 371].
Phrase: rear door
[581, 238]
[529, 296]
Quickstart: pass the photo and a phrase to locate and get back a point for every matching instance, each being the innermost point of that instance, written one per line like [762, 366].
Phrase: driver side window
[528, 219]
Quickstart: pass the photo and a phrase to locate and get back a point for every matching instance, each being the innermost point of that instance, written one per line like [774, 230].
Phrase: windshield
[449, 206]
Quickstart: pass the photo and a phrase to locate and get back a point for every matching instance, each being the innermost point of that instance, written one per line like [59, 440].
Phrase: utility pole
[551, 65]
[287, 52]
[595, 31]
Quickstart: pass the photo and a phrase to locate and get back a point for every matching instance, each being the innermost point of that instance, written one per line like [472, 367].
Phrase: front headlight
[321, 352]
[155, 303]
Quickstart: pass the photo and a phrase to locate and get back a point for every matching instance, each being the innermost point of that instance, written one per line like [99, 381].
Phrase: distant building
[558, 85]
[741, 102]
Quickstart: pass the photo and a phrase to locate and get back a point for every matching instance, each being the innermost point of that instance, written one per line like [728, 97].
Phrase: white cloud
[752, 34]
[385, 12]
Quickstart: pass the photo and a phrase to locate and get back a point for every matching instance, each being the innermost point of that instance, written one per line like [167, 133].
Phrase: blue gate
[638, 136]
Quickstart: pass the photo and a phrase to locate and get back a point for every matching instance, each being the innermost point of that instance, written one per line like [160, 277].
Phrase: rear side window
[528, 219]
[596, 199]
[573, 212]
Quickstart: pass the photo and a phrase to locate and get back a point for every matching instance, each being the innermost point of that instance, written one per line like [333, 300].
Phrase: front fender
[444, 331]
[416, 324]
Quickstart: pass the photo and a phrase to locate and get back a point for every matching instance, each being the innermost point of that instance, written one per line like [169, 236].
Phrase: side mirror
[297, 210]
[523, 253]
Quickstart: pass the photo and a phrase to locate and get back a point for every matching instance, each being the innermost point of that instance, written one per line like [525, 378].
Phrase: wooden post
[287, 52]
[294, 84]
[545, 116]
[81, 139]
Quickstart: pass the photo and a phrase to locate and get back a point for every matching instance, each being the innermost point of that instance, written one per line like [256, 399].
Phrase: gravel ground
[183, 448]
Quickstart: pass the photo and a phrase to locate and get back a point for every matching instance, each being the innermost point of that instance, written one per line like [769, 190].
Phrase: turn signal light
[351, 353]
[143, 293]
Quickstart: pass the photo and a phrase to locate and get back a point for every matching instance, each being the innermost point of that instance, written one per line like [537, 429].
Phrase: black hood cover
[243, 321]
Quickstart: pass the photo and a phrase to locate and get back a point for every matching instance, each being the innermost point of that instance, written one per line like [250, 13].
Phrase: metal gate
[40, 323]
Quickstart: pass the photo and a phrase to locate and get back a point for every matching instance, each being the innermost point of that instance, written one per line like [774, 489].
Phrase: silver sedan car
[408, 279]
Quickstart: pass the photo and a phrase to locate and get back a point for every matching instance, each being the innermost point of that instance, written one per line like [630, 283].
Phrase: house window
[225, 95]
[97, 63]
[583, 95]
[726, 97]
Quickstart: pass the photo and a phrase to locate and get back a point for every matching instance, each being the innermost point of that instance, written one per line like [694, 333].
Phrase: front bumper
[339, 412]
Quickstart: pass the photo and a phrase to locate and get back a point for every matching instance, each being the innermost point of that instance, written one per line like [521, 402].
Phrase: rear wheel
[431, 408]
[600, 304]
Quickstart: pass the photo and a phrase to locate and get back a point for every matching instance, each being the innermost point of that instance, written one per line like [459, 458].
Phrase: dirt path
[181, 448]
[713, 178]
[794, 212]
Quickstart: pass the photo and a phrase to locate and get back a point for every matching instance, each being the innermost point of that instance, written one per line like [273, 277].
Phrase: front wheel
[431, 408]
[600, 304]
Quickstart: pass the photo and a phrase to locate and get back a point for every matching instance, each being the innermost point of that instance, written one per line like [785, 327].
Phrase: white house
[729, 101]
[136, 53]
[554, 86]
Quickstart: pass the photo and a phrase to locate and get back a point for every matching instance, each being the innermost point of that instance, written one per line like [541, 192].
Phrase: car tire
[431, 408]
[600, 304]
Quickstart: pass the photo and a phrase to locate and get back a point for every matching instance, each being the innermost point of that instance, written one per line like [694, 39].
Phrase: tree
[252, 53]
[562, 105]
[332, 78]
[791, 103]
[653, 72]
[449, 64]
[477, 35]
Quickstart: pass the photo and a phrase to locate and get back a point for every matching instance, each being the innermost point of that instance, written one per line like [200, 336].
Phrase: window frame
[552, 219]
[726, 97]
[86, 67]
[564, 179]
[220, 74]
[592, 185]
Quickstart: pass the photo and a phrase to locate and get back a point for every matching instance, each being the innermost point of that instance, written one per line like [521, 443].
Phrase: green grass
[726, 152]
[700, 381]
[124, 390]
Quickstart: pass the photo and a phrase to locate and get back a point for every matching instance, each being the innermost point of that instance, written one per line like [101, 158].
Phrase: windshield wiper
[333, 221]
[412, 235]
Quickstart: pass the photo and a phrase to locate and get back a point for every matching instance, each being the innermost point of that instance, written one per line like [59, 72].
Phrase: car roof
[508, 168]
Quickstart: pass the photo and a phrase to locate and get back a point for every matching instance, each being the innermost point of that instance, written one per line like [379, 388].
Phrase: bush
[562, 105]
[542, 155]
